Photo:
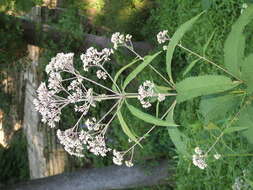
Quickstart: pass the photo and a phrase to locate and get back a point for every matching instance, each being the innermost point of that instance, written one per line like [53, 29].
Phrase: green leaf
[139, 68]
[203, 85]
[175, 40]
[245, 120]
[149, 118]
[235, 42]
[178, 138]
[189, 67]
[234, 129]
[121, 70]
[207, 43]
[180, 141]
[126, 129]
[247, 72]
[216, 107]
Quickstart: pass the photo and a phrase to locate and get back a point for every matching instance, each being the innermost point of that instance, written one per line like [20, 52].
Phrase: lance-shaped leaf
[235, 42]
[247, 72]
[149, 118]
[216, 107]
[190, 66]
[175, 40]
[147, 60]
[203, 85]
[121, 70]
[178, 138]
[126, 129]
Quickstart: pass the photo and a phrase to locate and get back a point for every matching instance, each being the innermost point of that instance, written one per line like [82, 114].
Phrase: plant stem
[209, 61]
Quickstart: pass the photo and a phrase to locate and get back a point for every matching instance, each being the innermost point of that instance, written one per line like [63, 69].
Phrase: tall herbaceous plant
[220, 94]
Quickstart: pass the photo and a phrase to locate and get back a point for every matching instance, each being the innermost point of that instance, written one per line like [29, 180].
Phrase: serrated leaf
[121, 70]
[235, 42]
[234, 129]
[175, 40]
[247, 72]
[147, 60]
[149, 118]
[245, 119]
[216, 107]
[203, 85]
[177, 137]
[189, 67]
[126, 129]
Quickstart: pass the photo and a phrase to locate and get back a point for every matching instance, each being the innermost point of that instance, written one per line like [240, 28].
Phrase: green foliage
[235, 43]
[149, 118]
[190, 66]
[175, 40]
[245, 120]
[203, 85]
[14, 160]
[147, 60]
[18, 5]
[216, 107]
[126, 129]
[234, 129]
[121, 71]
[179, 139]
[247, 72]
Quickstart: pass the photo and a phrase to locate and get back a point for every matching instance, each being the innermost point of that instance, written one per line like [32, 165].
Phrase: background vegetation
[144, 19]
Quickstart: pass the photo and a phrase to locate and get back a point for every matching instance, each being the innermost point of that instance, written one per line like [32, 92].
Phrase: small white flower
[117, 157]
[101, 74]
[198, 150]
[162, 36]
[217, 156]
[199, 161]
[129, 163]
[165, 48]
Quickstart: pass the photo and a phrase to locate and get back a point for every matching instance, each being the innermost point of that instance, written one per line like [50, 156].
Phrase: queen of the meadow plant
[60, 92]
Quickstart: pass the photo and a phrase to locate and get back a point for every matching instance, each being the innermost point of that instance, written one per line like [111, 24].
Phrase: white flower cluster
[91, 124]
[47, 105]
[162, 36]
[198, 159]
[118, 158]
[71, 142]
[120, 39]
[144, 92]
[61, 62]
[78, 93]
[58, 64]
[93, 57]
[74, 141]
[101, 75]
